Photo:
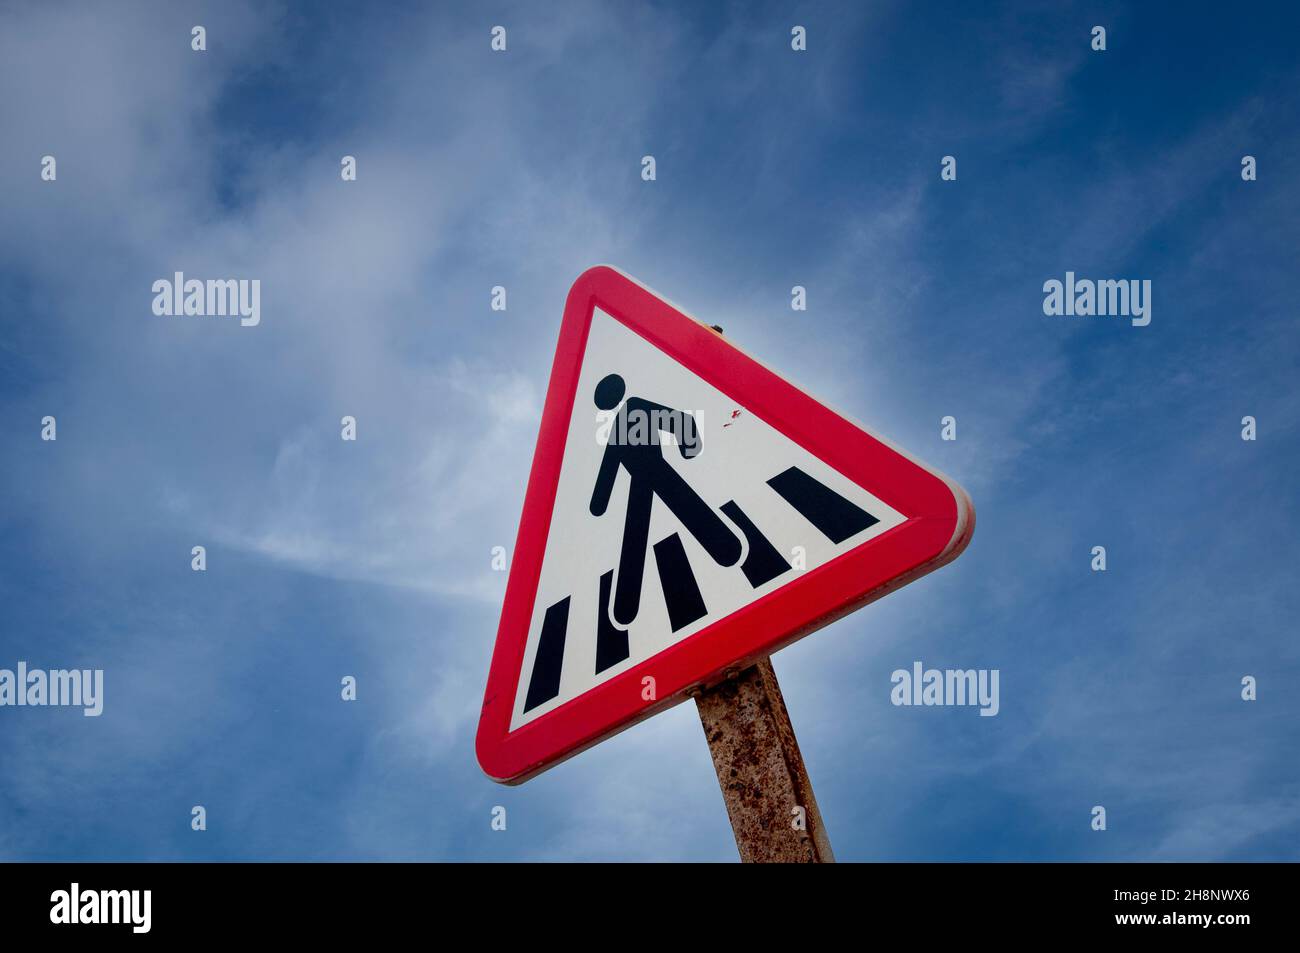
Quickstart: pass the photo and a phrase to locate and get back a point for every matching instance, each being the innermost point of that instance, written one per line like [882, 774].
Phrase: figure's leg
[697, 516]
[631, 561]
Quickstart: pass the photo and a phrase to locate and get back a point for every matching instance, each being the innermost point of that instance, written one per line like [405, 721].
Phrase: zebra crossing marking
[833, 516]
[763, 563]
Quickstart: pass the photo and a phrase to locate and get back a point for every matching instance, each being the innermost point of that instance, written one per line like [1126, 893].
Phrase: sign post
[764, 783]
[690, 512]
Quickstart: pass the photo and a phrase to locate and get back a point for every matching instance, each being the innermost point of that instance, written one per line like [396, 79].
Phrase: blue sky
[521, 169]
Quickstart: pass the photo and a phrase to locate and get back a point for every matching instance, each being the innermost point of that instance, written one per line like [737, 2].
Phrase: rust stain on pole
[760, 770]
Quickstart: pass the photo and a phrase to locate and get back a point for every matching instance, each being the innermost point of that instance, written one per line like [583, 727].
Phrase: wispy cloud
[475, 169]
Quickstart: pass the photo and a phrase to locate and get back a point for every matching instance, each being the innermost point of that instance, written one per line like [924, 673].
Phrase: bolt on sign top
[688, 512]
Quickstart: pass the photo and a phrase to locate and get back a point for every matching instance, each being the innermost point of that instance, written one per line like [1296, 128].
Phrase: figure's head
[609, 391]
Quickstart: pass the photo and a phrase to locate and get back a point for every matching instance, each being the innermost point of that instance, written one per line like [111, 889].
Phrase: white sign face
[675, 507]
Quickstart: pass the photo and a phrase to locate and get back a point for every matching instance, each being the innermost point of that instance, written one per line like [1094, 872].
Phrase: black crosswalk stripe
[835, 517]
[545, 681]
[763, 562]
[611, 641]
[681, 591]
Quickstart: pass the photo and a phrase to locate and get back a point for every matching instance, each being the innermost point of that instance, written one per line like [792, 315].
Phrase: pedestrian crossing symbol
[688, 512]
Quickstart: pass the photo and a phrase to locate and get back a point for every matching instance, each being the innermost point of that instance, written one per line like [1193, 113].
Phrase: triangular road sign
[688, 512]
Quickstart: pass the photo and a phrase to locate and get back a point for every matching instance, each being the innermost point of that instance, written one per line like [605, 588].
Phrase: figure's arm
[604, 482]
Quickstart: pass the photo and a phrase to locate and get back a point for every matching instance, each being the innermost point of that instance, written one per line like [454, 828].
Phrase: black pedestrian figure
[634, 444]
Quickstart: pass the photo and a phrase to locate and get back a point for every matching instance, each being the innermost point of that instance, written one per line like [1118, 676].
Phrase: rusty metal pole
[764, 782]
